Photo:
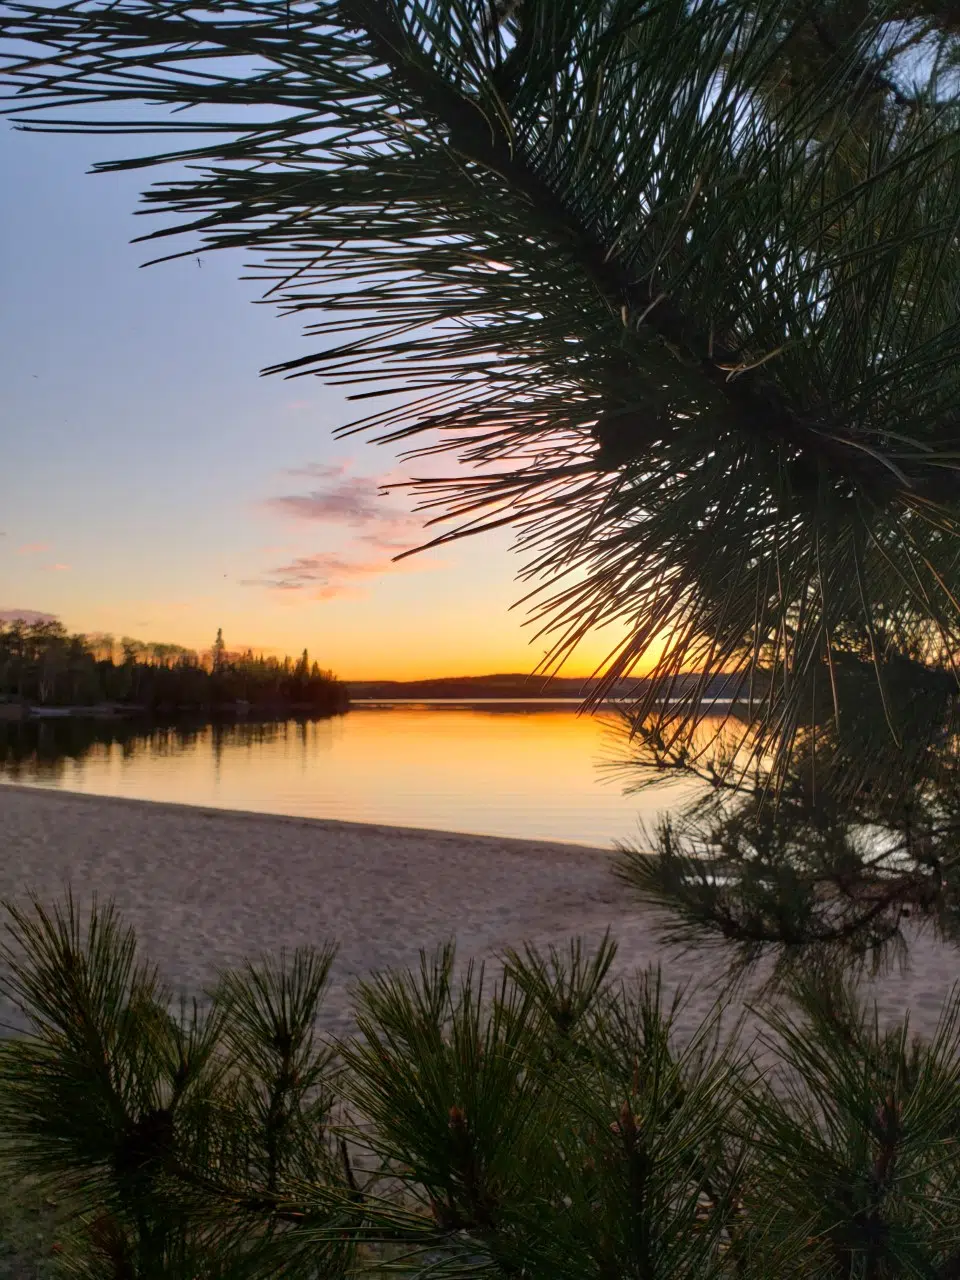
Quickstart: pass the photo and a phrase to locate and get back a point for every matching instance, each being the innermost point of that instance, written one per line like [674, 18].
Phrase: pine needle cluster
[675, 282]
[553, 1122]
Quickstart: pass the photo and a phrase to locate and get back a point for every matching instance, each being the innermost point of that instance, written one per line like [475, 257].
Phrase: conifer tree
[677, 282]
[218, 653]
[553, 1124]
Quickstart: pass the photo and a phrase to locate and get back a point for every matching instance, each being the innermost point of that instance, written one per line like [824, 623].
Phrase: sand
[206, 888]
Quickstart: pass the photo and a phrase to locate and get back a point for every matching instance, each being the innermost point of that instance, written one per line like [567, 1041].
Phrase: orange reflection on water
[518, 771]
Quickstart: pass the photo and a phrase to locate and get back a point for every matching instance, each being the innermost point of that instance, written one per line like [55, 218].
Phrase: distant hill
[496, 687]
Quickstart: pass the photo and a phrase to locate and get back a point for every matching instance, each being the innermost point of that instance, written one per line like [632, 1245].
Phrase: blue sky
[155, 485]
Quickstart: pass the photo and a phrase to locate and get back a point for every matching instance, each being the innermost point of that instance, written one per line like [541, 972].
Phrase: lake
[533, 771]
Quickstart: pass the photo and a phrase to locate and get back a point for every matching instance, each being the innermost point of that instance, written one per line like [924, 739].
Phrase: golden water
[524, 771]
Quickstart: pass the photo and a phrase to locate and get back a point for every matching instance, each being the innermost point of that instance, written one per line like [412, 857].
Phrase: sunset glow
[156, 486]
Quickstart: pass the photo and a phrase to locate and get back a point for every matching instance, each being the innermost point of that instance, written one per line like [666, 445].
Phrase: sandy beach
[206, 888]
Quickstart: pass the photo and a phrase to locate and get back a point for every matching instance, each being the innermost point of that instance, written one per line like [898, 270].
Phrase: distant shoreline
[528, 701]
[13, 713]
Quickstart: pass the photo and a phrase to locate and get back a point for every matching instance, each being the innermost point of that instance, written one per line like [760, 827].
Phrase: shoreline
[521, 843]
[207, 888]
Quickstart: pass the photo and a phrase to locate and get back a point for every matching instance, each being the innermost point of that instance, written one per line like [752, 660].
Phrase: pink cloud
[324, 571]
[382, 541]
[341, 499]
[26, 615]
[338, 591]
[57, 568]
[327, 574]
[351, 503]
[378, 531]
[356, 502]
[31, 548]
[321, 470]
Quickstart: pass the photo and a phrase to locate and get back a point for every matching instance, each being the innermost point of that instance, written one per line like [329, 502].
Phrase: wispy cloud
[326, 575]
[322, 576]
[26, 615]
[382, 540]
[32, 548]
[376, 529]
[340, 498]
[57, 568]
[322, 470]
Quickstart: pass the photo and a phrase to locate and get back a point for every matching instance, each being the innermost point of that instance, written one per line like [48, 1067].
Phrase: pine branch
[754, 403]
[690, 332]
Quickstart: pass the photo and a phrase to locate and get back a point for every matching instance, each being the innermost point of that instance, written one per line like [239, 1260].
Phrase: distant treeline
[42, 664]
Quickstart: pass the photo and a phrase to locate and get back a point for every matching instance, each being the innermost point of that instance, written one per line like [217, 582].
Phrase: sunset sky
[154, 485]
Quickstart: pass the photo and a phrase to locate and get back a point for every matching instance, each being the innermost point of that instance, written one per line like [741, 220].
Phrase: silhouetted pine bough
[676, 281]
[552, 1123]
[838, 860]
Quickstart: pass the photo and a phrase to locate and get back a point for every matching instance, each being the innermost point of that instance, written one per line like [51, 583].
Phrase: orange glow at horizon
[359, 654]
[455, 621]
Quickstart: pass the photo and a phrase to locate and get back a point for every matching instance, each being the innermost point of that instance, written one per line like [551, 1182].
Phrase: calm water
[514, 771]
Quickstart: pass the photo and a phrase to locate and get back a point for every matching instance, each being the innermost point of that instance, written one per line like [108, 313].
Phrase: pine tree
[218, 653]
[841, 860]
[678, 282]
[553, 1124]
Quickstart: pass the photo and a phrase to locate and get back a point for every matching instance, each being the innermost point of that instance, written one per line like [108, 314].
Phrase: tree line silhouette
[42, 664]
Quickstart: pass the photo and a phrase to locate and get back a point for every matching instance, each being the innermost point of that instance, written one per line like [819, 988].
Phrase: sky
[155, 485]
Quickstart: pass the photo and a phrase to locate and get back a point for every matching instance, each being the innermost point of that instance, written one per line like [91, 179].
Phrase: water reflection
[529, 771]
[45, 750]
